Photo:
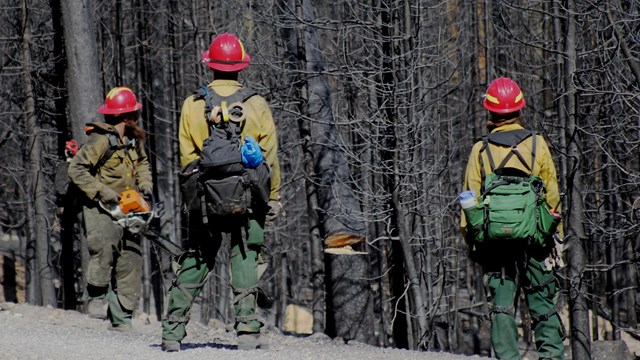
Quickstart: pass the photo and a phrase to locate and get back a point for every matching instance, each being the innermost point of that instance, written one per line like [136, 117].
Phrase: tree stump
[615, 349]
[349, 299]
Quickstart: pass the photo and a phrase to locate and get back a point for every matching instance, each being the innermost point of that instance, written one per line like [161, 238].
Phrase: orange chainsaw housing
[132, 201]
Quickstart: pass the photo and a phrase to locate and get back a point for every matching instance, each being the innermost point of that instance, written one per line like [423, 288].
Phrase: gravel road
[33, 332]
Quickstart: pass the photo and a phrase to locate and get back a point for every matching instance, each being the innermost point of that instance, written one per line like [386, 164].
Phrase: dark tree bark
[580, 339]
[311, 189]
[338, 207]
[83, 67]
[630, 59]
[41, 274]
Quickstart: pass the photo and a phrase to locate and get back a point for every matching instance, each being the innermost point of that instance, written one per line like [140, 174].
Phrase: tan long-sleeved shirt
[127, 168]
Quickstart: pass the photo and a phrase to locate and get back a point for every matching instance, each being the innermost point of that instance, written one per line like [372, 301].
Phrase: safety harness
[509, 139]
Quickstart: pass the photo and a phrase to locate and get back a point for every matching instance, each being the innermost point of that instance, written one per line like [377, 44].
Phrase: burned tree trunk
[336, 206]
[83, 68]
[580, 339]
[41, 274]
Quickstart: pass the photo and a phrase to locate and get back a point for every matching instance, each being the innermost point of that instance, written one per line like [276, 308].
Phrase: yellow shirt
[259, 124]
[544, 167]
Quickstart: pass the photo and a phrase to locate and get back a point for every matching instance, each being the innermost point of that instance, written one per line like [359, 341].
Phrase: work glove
[215, 116]
[147, 192]
[107, 196]
[274, 209]
[555, 260]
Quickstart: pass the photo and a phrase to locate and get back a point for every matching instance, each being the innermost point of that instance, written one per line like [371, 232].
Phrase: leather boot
[97, 308]
[251, 341]
[170, 345]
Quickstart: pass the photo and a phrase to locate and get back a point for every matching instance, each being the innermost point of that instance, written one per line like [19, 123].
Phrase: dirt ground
[32, 332]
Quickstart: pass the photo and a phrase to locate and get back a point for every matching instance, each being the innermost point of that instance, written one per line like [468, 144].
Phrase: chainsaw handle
[114, 211]
[158, 210]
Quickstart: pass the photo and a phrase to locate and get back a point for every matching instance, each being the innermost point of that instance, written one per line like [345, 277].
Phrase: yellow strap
[225, 111]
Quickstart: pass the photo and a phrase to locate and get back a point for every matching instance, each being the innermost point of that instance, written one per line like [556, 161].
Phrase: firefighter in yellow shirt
[508, 267]
[226, 56]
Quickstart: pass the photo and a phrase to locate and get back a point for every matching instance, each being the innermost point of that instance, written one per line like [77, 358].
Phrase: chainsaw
[133, 212]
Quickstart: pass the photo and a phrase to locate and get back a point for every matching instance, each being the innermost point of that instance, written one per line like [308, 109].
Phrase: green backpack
[512, 204]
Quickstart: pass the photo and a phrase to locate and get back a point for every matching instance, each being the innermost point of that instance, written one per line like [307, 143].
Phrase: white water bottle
[467, 199]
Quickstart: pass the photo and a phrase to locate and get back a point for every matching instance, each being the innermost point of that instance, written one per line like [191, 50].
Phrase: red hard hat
[120, 100]
[226, 53]
[503, 96]
[71, 147]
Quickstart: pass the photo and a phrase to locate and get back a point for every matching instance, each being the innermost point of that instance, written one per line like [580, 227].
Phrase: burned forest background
[377, 104]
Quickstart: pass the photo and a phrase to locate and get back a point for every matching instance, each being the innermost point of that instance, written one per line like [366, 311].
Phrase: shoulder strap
[510, 139]
[212, 98]
[113, 147]
[533, 150]
[111, 136]
[485, 147]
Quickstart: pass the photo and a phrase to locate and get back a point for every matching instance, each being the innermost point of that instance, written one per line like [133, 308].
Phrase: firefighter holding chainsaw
[113, 162]
[226, 56]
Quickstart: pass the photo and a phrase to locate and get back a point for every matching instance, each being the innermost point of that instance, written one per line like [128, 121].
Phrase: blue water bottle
[467, 199]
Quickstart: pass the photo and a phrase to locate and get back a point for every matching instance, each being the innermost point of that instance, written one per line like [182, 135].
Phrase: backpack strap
[212, 99]
[113, 142]
[485, 147]
[534, 136]
[511, 139]
[113, 147]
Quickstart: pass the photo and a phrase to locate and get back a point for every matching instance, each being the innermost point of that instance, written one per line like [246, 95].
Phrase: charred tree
[83, 67]
[580, 339]
[43, 293]
[337, 208]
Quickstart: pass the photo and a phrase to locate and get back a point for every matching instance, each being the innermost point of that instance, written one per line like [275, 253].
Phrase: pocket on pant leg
[255, 233]
[128, 274]
[102, 237]
[100, 229]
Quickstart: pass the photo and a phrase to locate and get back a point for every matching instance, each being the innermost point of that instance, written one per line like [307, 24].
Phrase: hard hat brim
[229, 66]
[503, 110]
[109, 111]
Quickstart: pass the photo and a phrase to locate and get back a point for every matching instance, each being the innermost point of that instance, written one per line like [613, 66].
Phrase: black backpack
[63, 188]
[227, 188]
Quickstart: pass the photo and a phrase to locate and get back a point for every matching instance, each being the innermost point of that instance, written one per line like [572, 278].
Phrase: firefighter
[112, 160]
[69, 217]
[226, 56]
[61, 180]
[508, 269]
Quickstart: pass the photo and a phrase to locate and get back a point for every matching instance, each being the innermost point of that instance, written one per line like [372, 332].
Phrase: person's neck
[221, 75]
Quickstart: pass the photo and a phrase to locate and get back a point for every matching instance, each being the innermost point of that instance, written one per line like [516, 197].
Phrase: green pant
[115, 260]
[541, 290]
[194, 266]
